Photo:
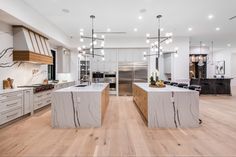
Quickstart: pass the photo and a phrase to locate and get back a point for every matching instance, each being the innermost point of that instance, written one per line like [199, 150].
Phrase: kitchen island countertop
[168, 88]
[95, 87]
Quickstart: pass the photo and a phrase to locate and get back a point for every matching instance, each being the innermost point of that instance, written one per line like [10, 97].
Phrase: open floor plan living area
[116, 78]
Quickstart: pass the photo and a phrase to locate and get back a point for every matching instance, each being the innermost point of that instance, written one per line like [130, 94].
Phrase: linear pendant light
[158, 40]
[91, 51]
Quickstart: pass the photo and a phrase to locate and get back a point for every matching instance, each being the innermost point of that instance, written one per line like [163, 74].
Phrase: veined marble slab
[76, 107]
[171, 107]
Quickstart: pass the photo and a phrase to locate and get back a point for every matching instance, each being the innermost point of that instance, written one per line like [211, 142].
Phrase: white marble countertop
[5, 91]
[145, 86]
[94, 87]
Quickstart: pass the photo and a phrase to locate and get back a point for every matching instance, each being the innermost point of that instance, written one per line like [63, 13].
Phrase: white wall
[180, 64]
[22, 74]
[233, 67]
[227, 55]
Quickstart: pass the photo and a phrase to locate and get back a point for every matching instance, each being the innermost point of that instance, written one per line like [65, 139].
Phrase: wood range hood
[29, 46]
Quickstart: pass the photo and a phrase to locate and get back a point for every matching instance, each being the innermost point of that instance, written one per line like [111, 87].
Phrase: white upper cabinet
[131, 55]
[63, 60]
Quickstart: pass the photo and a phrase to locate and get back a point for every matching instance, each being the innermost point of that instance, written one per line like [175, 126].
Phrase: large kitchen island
[80, 106]
[169, 107]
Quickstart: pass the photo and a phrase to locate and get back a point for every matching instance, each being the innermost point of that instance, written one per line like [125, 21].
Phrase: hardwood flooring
[125, 134]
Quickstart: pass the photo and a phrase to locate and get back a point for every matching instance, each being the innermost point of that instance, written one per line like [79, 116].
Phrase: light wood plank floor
[125, 134]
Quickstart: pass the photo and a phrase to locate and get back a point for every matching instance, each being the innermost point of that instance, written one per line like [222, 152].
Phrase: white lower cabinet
[28, 101]
[15, 104]
[42, 99]
[11, 106]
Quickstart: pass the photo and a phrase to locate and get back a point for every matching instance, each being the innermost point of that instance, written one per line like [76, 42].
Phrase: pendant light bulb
[81, 33]
[79, 48]
[176, 55]
[102, 52]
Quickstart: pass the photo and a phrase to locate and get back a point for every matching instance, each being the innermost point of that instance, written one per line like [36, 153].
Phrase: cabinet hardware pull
[11, 104]
[11, 115]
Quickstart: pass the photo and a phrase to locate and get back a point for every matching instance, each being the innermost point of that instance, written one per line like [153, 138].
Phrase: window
[52, 68]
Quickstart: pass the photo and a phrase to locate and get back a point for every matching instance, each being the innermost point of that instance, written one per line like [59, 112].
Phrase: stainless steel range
[37, 88]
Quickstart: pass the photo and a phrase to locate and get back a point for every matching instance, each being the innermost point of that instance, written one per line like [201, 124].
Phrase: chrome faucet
[87, 79]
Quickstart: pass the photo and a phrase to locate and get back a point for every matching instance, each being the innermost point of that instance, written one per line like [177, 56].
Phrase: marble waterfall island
[169, 107]
[80, 107]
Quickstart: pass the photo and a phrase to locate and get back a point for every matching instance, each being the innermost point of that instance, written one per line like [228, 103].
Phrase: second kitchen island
[80, 107]
[169, 107]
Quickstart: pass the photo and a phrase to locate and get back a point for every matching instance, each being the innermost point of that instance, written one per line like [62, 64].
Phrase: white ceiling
[122, 15]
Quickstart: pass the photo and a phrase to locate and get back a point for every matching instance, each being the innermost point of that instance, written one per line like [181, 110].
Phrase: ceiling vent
[30, 46]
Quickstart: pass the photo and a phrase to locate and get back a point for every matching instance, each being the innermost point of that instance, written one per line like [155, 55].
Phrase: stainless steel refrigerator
[130, 72]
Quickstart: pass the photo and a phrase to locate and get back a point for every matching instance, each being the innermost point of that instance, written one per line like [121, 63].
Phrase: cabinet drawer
[38, 105]
[48, 94]
[47, 101]
[38, 97]
[10, 115]
[9, 96]
[10, 104]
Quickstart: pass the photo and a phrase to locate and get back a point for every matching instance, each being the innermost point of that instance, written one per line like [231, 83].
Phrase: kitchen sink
[81, 85]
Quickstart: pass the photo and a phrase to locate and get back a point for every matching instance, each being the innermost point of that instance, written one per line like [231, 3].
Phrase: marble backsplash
[22, 73]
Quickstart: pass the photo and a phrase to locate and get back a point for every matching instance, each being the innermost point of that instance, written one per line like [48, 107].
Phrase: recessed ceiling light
[210, 16]
[65, 10]
[108, 29]
[203, 44]
[229, 45]
[147, 35]
[140, 17]
[142, 10]
[190, 29]
[81, 29]
[162, 29]
[217, 28]
[135, 29]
